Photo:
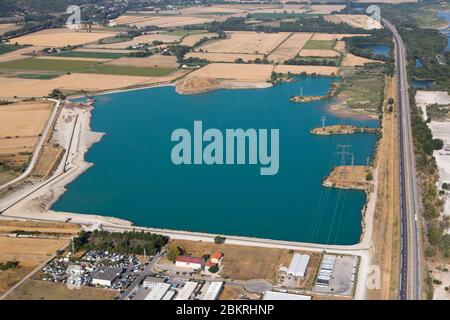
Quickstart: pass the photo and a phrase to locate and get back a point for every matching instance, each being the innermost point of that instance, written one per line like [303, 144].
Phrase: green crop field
[47, 64]
[128, 71]
[319, 45]
[39, 76]
[83, 67]
[96, 55]
[5, 48]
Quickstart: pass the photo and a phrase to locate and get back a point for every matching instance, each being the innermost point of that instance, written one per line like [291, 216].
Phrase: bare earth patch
[351, 60]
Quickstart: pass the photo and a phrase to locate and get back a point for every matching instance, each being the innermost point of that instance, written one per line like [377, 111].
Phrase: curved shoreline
[86, 138]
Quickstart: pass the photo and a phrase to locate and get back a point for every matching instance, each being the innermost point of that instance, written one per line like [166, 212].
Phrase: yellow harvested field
[224, 57]
[147, 39]
[340, 46]
[192, 40]
[10, 87]
[48, 161]
[45, 290]
[319, 53]
[325, 8]
[60, 37]
[20, 53]
[29, 251]
[351, 60]
[235, 71]
[161, 21]
[6, 27]
[247, 42]
[104, 50]
[25, 119]
[290, 47]
[152, 61]
[320, 70]
[7, 226]
[355, 20]
[335, 36]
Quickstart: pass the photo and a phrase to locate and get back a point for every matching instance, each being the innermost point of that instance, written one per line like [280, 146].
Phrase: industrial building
[150, 282]
[189, 262]
[105, 276]
[158, 291]
[298, 265]
[186, 292]
[213, 291]
[273, 295]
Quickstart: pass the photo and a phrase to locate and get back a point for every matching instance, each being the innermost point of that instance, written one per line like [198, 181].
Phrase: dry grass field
[152, 61]
[60, 37]
[240, 262]
[325, 8]
[43, 227]
[48, 161]
[351, 60]
[340, 46]
[20, 53]
[161, 21]
[319, 53]
[44, 290]
[235, 71]
[355, 20]
[246, 42]
[335, 36]
[6, 27]
[290, 47]
[20, 127]
[320, 70]
[29, 252]
[192, 40]
[148, 39]
[224, 57]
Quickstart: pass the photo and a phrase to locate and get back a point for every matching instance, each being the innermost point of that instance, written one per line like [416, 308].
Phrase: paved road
[410, 269]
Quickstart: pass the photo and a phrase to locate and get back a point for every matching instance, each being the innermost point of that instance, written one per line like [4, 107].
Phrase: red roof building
[216, 257]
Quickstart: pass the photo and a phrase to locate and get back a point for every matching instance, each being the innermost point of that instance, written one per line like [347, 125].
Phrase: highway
[410, 261]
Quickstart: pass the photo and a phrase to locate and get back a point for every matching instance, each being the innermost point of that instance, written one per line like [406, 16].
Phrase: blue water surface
[134, 178]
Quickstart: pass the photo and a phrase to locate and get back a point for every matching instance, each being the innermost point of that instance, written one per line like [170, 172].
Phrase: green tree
[173, 251]
[214, 269]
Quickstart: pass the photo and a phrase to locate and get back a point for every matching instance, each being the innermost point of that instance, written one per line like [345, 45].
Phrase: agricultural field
[147, 39]
[20, 127]
[319, 70]
[9, 48]
[319, 45]
[160, 21]
[351, 60]
[319, 53]
[60, 38]
[45, 290]
[224, 57]
[85, 54]
[6, 27]
[25, 52]
[48, 161]
[40, 76]
[10, 87]
[29, 252]
[290, 47]
[246, 42]
[235, 72]
[355, 20]
[192, 40]
[154, 61]
[83, 65]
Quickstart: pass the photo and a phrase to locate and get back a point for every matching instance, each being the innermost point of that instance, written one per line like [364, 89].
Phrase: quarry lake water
[134, 178]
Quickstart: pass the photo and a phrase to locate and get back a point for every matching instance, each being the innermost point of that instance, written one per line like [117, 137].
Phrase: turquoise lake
[133, 177]
[378, 49]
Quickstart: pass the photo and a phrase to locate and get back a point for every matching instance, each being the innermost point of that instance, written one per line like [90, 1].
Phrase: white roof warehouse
[298, 265]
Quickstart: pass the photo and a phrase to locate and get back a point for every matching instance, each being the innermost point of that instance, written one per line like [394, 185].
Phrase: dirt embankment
[192, 85]
[341, 129]
[350, 177]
